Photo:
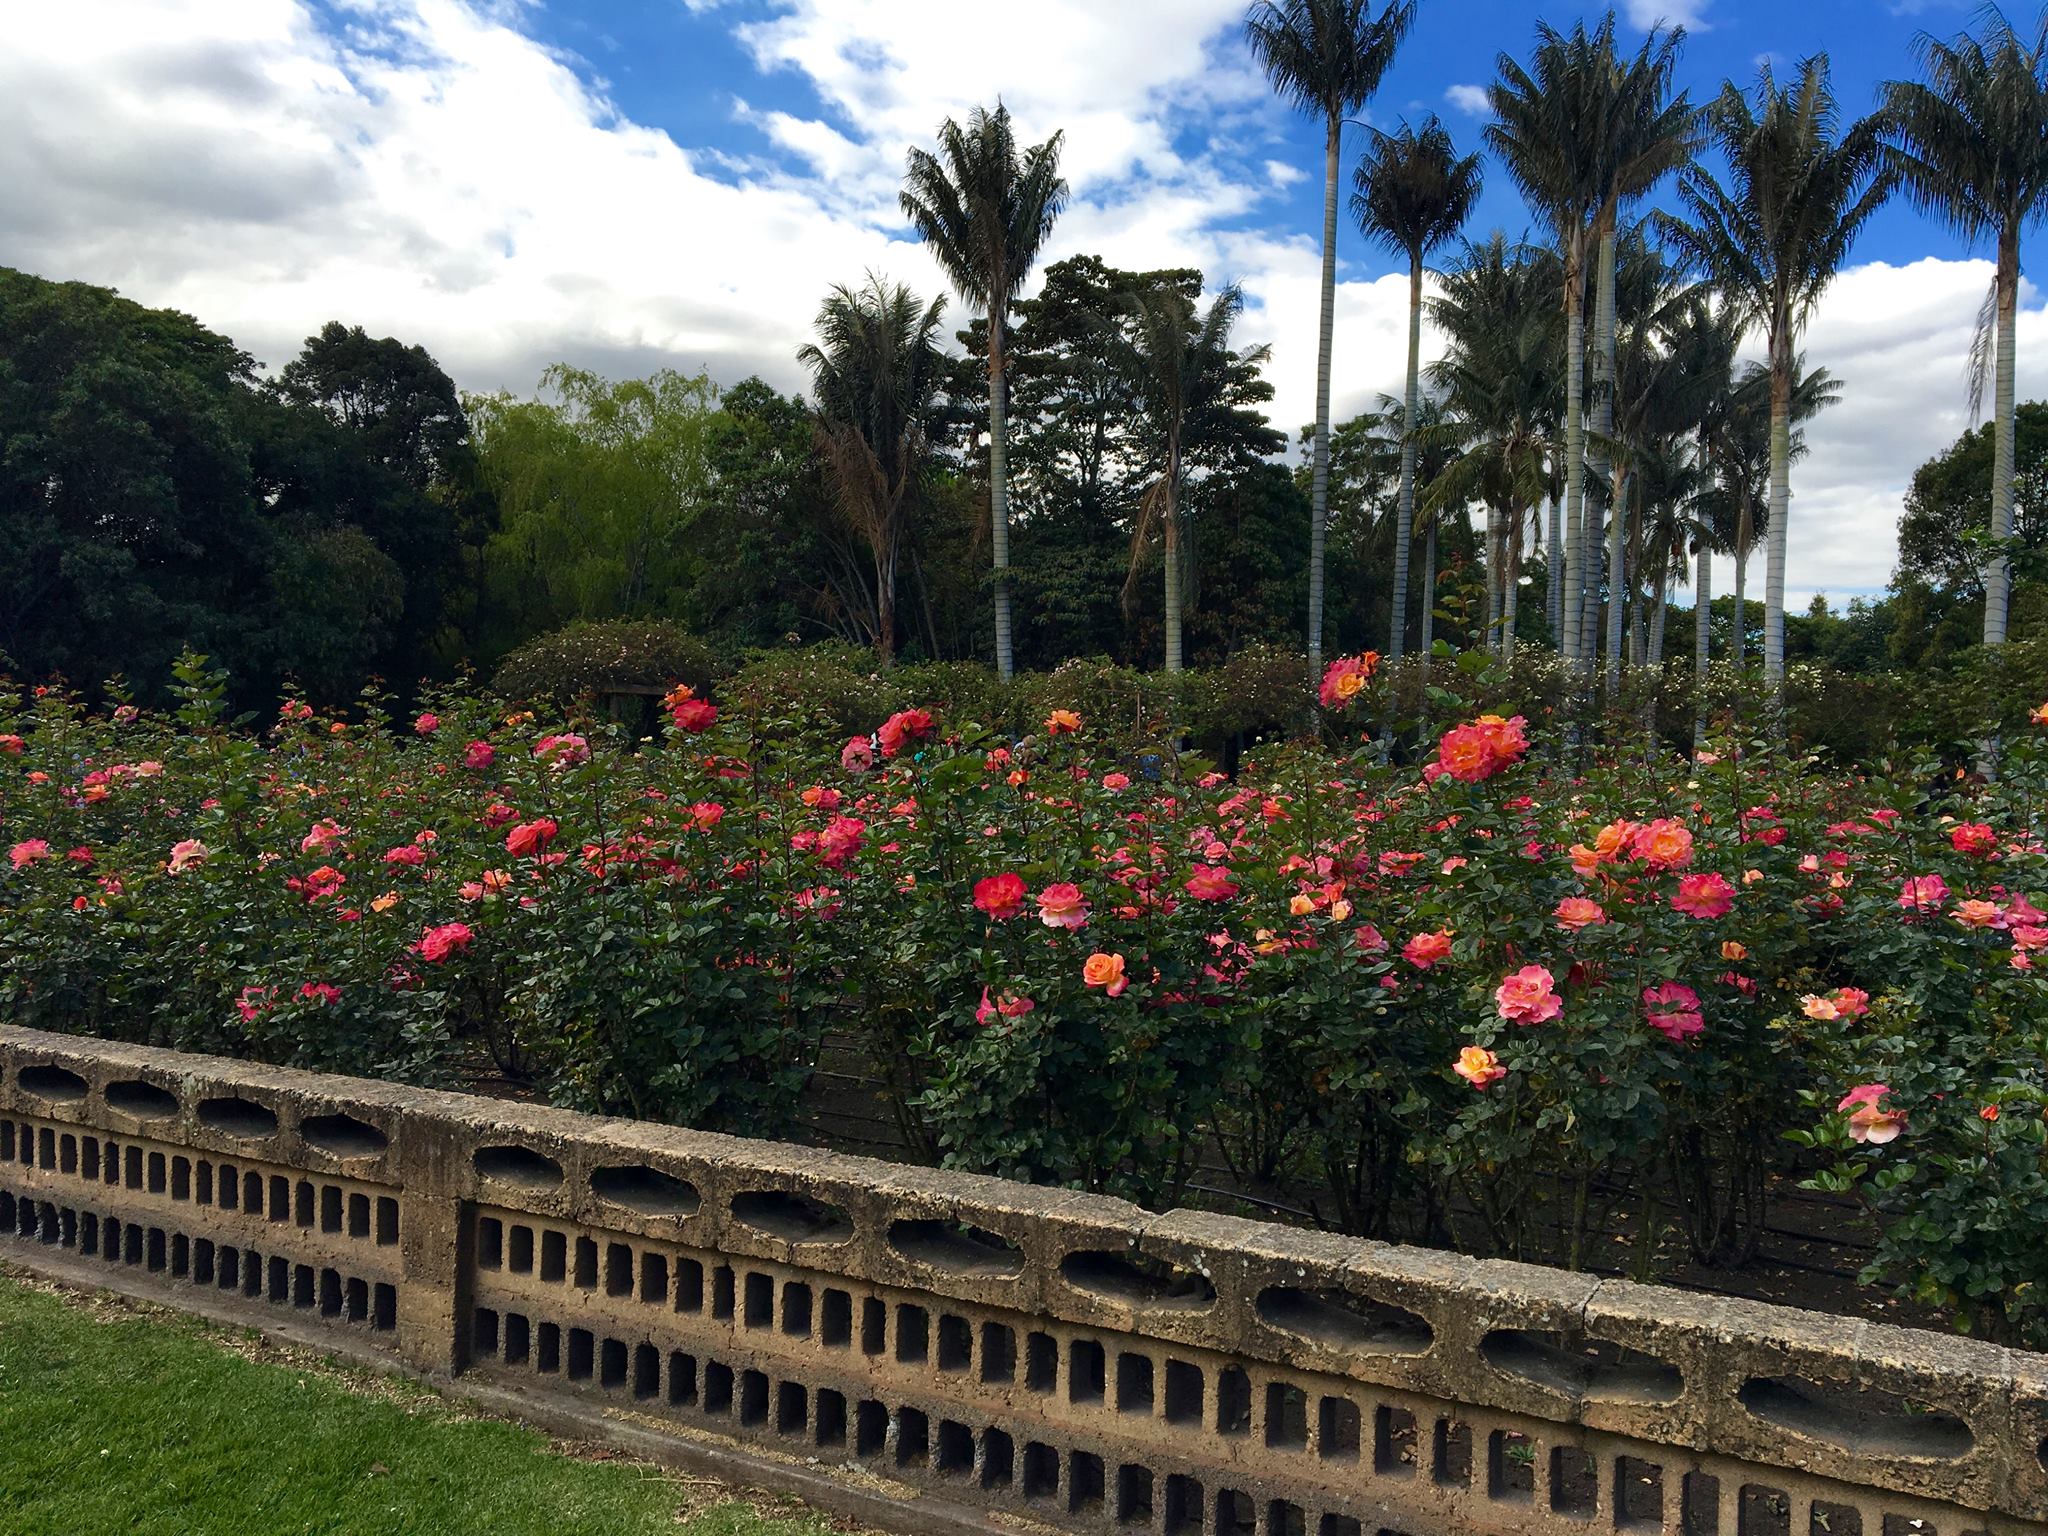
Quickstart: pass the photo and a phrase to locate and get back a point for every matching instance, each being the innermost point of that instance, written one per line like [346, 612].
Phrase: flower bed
[1473, 1002]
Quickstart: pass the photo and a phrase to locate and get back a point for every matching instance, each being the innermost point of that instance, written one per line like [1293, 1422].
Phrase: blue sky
[640, 184]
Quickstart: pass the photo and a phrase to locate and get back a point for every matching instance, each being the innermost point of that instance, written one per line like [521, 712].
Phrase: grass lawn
[122, 1419]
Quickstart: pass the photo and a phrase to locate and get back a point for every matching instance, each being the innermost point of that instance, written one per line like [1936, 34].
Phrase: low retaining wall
[935, 1350]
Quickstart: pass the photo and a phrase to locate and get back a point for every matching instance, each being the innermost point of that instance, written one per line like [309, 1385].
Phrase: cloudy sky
[631, 184]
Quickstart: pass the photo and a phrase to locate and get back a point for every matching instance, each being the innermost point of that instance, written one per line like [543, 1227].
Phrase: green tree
[1771, 240]
[1945, 531]
[985, 211]
[1326, 57]
[875, 370]
[1970, 145]
[1413, 193]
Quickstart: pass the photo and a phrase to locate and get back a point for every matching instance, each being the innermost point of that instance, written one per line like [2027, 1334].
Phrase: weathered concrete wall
[990, 1350]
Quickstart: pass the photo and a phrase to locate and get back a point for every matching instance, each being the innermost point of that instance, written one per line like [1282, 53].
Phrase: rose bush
[1488, 1001]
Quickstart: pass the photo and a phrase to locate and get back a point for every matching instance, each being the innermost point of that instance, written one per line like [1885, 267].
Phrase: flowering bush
[1483, 1001]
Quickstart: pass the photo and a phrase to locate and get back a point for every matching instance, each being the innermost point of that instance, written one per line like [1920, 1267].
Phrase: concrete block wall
[982, 1352]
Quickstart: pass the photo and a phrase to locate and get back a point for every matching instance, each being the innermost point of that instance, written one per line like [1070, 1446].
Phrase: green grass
[119, 1420]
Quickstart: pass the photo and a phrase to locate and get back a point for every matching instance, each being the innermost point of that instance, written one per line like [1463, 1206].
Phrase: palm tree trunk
[1617, 582]
[1738, 638]
[1510, 600]
[1781, 499]
[1319, 481]
[1173, 571]
[1702, 638]
[1428, 592]
[1574, 446]
[1553, 587]
[1603, 424]
[1657, 623]
[1998, 574]
[999, 494]
[1404, 517]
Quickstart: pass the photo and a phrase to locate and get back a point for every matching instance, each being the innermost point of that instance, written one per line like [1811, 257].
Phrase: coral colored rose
[1106, 972]
[820, 798]
[1732, 949]
[33, 851]
[1427, 949]
[320, 992]
[426, 724]
[185, 854]
[1116, 781]
[1063, 906]
[1973, 837]
[841, 840]
[905, 728]
[1010, 1005]
[1921, 892]
[2040, 715]
[1988, 1114]
[1663, 844]
[1479, 1066]
[11, 745]
[562, 751]
[858, 755]
[1528, 996]
[1062, 722]
[1673, 1010]
[1869, 1120]
[1211, 882]
[1976, 914]
[1576, 912]
[1000, 896]
[479, 754]
[1345, 678]
[694, 715]
[1703, 896]
[409, 854]
[438, 943]
[530, 837]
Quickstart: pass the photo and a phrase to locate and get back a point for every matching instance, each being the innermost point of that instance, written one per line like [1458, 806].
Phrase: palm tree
[1413, 194]
[985, 211]
[1649, 134]
[1177, 364]
[1326, 57]
[875, 370]
[1772, 241]
[1970, 145]
[1550, 122]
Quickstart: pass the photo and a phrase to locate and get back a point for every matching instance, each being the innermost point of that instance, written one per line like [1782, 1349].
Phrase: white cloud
[434, 174]
[1469, 98]
[1690, 14]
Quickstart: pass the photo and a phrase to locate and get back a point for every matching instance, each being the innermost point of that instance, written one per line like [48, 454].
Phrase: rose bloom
[1673, 1010]
[530, 837]
[1211, 882]
[564, 751]
[841, 840]
[819, 798]
[479, 754]
[252, 1002]
[1528, 996]
[427, 724]
[1116, 781]
[1923, 891]
[1478, 1066]
[1733, 949]
[1703, 896]
[321, 992]
[905, 728]
[1427, 949]
[187, 853]
[1973, 837]
[1062, 722]
[29, 852]
[1976, 914]
[1345, 678]
[1010, 1005]
[1000, 896]
[409, 854]
[1576, 912]
[322, 833]
[1663, 844]
[438, 943]
[2040, 716]
[11, 744]
[1106, 972]
[858, 755]
[1869, 1120]
[1063, 906]
[694, 715]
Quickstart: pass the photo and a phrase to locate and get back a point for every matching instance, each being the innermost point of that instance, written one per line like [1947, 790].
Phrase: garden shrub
[588, 658]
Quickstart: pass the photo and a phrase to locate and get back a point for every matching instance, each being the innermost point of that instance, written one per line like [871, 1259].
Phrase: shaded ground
[123, 1417]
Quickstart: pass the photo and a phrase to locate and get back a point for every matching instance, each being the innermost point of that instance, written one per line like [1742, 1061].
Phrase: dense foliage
[1480, 1003]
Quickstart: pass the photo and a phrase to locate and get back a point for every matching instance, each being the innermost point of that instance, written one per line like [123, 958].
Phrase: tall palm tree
[1970, 145]
[1550, 124]
[1326, 57]
[986, 210]
[1176, 361]
[1799, 192]
[1413, 194]
[1649, 134]
[875, 370]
